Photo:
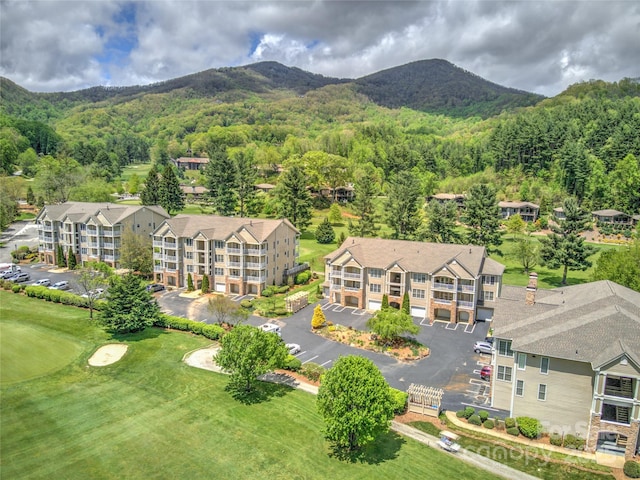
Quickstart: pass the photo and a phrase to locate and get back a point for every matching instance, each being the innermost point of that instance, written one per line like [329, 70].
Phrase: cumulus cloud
[534, 46]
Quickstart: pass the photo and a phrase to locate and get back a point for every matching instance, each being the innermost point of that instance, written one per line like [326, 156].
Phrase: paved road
[16, 235]
[452, 364]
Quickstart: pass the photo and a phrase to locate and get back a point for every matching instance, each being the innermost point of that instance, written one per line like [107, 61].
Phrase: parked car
[271, 328]
[43, 282]
[293, 348]
[62, 285]
[485, 373]
[482, 347]
[489, 340]
[20, 277]
[155, 287]
[97, 293]
[10, 272]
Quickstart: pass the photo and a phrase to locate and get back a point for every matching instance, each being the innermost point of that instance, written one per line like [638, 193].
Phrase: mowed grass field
[151, 416]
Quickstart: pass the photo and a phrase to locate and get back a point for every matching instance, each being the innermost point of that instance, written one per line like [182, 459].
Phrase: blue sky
[536, 46]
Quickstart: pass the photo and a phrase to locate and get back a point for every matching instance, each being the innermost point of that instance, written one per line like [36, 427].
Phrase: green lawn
[140, 169]
[151, 416]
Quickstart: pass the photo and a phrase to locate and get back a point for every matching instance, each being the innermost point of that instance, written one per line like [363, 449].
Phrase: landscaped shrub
[246, 303]
[468, 411]
[15, 288]
[267, 292]
[529, 427]
[513, 431]
[509, 422]
[318, 319]
[292, 363]
[280, 311]
[555, 439]
[399, 400]
[303, 277]
[213, 332]
[283, 289]
[580, 442]
[631, 469]
[483, 415]
[475, 420]
[488, 423]
[570, 441]
[499, 424]
[312, 371]
[460, 414]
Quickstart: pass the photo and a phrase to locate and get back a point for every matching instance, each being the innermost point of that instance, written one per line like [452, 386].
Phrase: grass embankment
[149, 415]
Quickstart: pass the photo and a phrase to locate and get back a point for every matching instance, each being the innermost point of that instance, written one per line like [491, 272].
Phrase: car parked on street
[62, 285]
[20, 277]
[43, 282]
[482, 347]
[485, 373]
[293, 348]
[271, 328]
[155, 287]
[97, 293]
[10, 272]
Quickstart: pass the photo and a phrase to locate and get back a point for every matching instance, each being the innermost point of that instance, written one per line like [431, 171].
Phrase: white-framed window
[218, 271]
[419, 277]
[189, 268]
[188, 255]
[188, 242]
[417, 293]
[219, 258]
[375, 287]
[522, 361]
[375, 273]
[504, 373]
[504, 348]
[489, 279]
[544, 365]
[487, 296]
[542, 392]
[218, 244]
[519, 388]
[83, 251]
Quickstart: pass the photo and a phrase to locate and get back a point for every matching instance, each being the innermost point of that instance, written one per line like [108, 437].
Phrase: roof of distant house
[517, 205]
[608, 213]
[192, 160]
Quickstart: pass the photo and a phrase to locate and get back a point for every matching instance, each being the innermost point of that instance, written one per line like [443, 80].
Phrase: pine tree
[440, 226]
[365, 191]
[482, 216]
[205, 284]
[385, 302]
[403, 205]
[245, 181]
[60, 260]
[221, 179]
[325, 233]
[150, 194]
[31, 198]
[189, 282]
[318, 319]
[71, 259]
[171, 195]
[406, 304]
[294, 198]
[129, 307]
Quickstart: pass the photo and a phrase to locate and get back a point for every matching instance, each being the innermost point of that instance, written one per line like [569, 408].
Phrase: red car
[485, 373]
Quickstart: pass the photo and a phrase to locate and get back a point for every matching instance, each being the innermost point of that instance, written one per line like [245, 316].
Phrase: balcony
[253, 279]
[158, 268]
[109, 258]
[442, 301]
[465, 304]
[619, 387]
[443, 286]
[463, 287]
[355, 276]
[108, 245]
[234, 264]
[172, 245]
[93, 244]
[254, 251]
[336, 273]
[170, 258]
[234, 277]
[352, 289]
[234, 250]
[157, 243]
[258, 266]
[47, 227]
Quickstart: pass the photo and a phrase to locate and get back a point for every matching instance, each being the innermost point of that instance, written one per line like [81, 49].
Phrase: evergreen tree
[385, 302]
[31, 198]
[335, 214]
[221, 179]
[129, 307]
[71, 259]
[365, 191]
[150, 194]
[565, 247]
[60, 260]
[482, 216]
[205, 284]
[294, 198]
[324, 232]
[189, 282]
[406, 304]
[245, 181]
[440, 226]
[171, 195]
[403, 205]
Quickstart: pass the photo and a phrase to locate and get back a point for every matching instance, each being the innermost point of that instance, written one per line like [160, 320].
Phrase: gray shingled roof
[593, 322]
[217, 227]
[81, 212]
[420, 257]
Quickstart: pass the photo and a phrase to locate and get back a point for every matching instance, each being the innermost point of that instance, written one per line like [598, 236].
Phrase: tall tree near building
[204, 288]
[294, 198]
[60, 259]
[221, 179]
[324, 232]
[527, 252]
[565, 247]
[403, 205]
[10, 191]
[366, 188]
[91, 278]
[515, 225]
[136, 253]
[625, 184]
[150, 194]
[355, 402]
[621, 266]
[171, 195]
[129, 307]
[56, 178]
[71, 259]
[245, 181]
[482, 216]
[440, 226]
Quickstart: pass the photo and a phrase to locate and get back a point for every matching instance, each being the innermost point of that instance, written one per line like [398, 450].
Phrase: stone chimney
[530, 297]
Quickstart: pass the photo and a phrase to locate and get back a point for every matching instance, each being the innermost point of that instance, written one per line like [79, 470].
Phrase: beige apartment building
[570, 357]
[92, 230]
[445, 282]
[239, 255]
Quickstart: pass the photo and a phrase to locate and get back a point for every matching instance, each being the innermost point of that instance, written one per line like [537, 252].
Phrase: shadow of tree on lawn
[261, 392]
[384, 448]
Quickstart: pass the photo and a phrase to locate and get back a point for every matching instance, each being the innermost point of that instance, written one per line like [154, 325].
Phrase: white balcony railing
[442, 301]
[255, 265]
[47, 228]
[352, 289]
[466, 288]
[443, 286]
[234, 250]
[465, 304]
[253, 279]
[158, 268]
[254, 251]
[157, 243]
[108, 245]
[234, 264]
[170, 258]
[356, 276]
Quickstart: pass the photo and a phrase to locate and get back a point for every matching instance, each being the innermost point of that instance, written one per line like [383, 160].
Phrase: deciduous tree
[355, 402]
[129, 307]
[247, 352]
[91, 278]
[136, 253]
[56, 178]
[515, 224]
[225, 310]
[527, 252]
[335, 214]
[389, 324]
[621, 266]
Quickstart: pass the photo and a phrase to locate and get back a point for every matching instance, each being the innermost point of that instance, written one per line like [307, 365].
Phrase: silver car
[482, 347]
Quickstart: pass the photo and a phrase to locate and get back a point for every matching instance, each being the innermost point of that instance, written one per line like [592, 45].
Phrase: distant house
[191, 163]
[558, 213]
[528, 211]
[341, 194]
[458, 198]
[196, 191]
[264, 187]
[614, 217]
[570, 357]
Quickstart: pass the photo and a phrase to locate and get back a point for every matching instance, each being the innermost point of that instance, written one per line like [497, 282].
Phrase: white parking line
[358, 312]
[451, 326]
[466, 329]
[300, 353]
[326, 306]
[339, 308]
[425, 322]
[312, 358]
[323, 364]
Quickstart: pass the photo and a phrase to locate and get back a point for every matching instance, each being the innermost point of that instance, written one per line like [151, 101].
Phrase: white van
[271, 328]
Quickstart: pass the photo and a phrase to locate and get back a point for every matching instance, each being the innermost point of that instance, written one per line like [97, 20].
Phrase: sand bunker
[108, 354]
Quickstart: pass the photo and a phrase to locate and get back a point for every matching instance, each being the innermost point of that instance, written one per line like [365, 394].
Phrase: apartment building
[93, 231]
[239, 255]
[570, 357]
[445, 282]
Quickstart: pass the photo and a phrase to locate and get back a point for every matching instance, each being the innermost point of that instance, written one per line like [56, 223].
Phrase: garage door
[220, 287]
[485, 314]
[419, 312]
[374, 305]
